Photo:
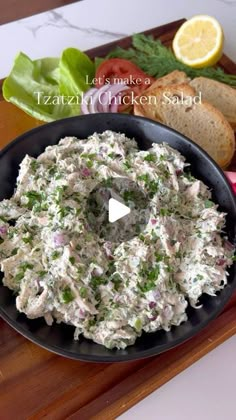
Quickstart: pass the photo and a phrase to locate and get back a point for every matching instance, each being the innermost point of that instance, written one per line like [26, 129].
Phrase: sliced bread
[174, 78]
[222, 96]
[173, 106]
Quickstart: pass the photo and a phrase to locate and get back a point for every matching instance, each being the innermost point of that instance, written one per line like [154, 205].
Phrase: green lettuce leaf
[31, 82]
[75, 69]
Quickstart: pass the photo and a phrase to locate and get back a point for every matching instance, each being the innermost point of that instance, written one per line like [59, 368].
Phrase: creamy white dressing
[110, 292]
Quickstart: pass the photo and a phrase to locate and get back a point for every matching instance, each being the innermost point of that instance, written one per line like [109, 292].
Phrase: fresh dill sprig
[157, 60]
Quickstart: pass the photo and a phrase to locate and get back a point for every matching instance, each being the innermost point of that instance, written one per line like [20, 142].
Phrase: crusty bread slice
[174, 78]
[201, 122]
[222, 96]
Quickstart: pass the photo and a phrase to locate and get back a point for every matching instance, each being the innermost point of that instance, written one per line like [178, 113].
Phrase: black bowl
[59, 338]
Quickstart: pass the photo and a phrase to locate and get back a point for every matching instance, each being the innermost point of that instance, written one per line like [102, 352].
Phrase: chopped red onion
[116, 88]
[3, 230]
[152, 305]
[220, 261]
[156, 294]
[97, 98]
[98, 271]
[153, 318]
[104, 99]
[153, 221]
[114, 105]
[59, 239]
[85, 172]
[81, 313]
[85, 103]
[108, 250]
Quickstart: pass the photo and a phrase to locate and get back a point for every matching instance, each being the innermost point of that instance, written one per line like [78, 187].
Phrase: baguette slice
[201, 122]
[176, 77]
[222, 96]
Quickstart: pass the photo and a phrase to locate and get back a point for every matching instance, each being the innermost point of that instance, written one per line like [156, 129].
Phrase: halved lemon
[199, 41]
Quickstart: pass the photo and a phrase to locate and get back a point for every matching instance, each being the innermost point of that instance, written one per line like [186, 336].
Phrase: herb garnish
[157, 60]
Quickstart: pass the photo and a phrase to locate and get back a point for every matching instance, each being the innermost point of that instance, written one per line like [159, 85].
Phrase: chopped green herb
[91, 322]
[209, 204]
[151, 158]
[89, 163]
[97, 281]
[164, 212]
[26, 266]
[157, 60]
[88, 155]
[55, 255]
[159, 257]
[117, 281]
[64, 211]
[169, 268]
[108, 182]
[67, 295]
[150, 277]
[153, 274]
[34, 165]
[145, 178]
[127, 164]
[18, 277]
[130, 196]
[72, 260]
[27, 239]
[42, 273]
[83, 292]
[178, 254]
[14, 251]
[53, 170]
[33, 198]
[142, 237]
[11, 233]
[189, 176]
[138, 324]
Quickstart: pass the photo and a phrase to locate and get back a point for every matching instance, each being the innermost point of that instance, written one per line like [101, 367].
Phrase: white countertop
[90, 23]
[206, 389]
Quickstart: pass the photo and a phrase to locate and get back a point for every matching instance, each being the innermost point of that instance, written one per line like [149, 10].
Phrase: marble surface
[207, 388]
[90, 23]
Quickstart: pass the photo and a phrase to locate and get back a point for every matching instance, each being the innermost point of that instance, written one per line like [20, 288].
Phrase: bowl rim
[118, 356]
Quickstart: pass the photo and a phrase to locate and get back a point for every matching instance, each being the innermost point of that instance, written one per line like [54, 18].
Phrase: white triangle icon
[116, 210]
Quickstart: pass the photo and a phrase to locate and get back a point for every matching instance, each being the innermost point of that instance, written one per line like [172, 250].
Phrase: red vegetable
[103, 99]
[117, 70]
[232, 179]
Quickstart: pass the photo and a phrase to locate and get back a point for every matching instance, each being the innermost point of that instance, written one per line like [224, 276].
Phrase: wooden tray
[36, 384]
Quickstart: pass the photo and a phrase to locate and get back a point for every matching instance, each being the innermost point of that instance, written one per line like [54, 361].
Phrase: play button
[117, 209]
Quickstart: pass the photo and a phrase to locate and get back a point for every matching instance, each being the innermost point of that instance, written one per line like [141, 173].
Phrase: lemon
[199, 41]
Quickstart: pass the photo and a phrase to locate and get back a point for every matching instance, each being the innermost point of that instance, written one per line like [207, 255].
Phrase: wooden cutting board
[36, 384]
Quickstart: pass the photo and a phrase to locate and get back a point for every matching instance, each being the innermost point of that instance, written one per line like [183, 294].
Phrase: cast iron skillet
[59, 338]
